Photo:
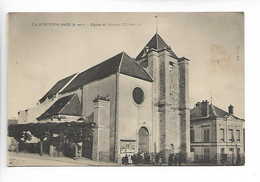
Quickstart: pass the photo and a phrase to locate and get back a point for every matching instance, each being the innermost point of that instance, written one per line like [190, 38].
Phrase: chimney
[198, 104]
[205, 108]
[231, 109]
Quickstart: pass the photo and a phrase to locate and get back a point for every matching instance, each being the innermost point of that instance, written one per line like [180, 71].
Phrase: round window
[138, 95]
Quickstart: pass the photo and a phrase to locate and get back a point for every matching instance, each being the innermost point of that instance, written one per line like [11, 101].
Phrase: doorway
[143, 136]
[206, 155]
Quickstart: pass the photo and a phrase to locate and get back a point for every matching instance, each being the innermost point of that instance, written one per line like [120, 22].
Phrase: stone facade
[131, 117]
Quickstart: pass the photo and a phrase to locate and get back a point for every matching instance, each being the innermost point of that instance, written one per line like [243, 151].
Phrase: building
[139, 104]
[11, 142]
[12, 121]
[217, 136]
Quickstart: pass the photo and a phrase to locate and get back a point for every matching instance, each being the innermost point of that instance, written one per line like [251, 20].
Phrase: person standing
[126, 159]
[179, 160]
[133, 157]
[123, 160]
[148, 159]
[160, 160]
[130, 159]
[153, 159]
[175, 160]
[157, 157]
[170, 160]
[74, 151]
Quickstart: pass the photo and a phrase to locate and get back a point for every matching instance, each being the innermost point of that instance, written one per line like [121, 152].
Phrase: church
[139, 104]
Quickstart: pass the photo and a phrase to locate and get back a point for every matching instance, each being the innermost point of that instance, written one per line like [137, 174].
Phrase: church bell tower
[171, 113]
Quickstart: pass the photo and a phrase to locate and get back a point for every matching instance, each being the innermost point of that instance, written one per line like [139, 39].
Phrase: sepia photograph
[125, 89]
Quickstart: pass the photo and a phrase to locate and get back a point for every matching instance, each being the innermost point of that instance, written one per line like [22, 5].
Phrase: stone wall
[101, 150]
[153, 64]
[184, 106]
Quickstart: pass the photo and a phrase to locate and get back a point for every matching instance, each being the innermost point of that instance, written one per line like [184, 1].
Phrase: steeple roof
[156, 43]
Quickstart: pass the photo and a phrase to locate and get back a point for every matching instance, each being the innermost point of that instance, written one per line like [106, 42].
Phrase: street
[30, 160]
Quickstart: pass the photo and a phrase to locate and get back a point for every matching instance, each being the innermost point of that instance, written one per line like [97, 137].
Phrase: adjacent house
[216, 136]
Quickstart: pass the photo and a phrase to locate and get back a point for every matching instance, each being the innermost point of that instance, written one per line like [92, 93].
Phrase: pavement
[35, 160]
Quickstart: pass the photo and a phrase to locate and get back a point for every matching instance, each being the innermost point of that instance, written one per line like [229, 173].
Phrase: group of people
[150, 159]
[139, 158]
[174, 160]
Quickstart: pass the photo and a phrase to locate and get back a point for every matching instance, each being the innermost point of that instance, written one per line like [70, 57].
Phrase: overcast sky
[39, 56]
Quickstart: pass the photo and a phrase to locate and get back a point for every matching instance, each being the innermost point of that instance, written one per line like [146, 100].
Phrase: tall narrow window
[222, 151]
[170, 65]
[222, 134]
[191, 149]
[238, 135]
[206, 135]
[231, 135]
[191, 135]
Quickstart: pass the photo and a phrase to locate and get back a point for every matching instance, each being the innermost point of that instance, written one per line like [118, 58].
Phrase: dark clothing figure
[160, 160]
[179, 160]
[175, 160]
[140, 158]
[238, 162]
[153, 159]
[125, 161]
[170, 160]
[157, 159]
[73, 151]
[148, 159]
[145, 158]
[133, 157]
[224, 159]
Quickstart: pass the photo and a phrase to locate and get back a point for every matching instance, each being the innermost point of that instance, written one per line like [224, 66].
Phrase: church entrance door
[143, 144]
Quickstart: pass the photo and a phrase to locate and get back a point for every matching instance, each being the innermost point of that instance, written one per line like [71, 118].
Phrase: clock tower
[171, 112]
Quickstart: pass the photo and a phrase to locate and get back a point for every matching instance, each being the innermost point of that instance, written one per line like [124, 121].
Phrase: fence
[219, 159]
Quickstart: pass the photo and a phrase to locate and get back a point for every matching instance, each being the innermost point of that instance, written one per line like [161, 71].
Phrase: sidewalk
[35, 160]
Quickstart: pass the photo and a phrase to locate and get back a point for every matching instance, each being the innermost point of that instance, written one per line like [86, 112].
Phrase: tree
[74, 132]
[39, 130]
[17, 133]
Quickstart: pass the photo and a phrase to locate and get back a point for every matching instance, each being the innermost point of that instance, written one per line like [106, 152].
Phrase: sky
[40, 54]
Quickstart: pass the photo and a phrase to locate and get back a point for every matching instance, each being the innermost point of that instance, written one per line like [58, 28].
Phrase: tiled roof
[57, 87]
[156, 43]
[68, 105]
[222, 113]
[214, 111]
[119, 63]
[131, 68]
